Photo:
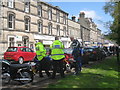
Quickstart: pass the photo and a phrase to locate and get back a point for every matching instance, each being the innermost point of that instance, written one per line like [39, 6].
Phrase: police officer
[57, 56]
[43, 63]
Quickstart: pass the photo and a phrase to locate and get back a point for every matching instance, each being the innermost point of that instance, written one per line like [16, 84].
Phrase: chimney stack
[73, 18]
[82, 15]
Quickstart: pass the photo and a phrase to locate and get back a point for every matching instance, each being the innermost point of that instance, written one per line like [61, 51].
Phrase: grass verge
[101, 75]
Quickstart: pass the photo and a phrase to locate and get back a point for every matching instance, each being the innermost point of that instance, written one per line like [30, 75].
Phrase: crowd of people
[57, 56]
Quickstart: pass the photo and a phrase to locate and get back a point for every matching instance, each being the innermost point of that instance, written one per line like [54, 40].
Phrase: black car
[94, 54]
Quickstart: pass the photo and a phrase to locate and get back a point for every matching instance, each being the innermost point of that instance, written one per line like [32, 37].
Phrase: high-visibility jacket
[57, 52]
[40, 51]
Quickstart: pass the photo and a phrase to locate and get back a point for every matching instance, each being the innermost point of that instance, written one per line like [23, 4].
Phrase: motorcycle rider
[77, 54]
[57, 56]
[43, 62]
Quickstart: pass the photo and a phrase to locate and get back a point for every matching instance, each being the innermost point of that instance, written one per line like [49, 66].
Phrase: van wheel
[20, 60]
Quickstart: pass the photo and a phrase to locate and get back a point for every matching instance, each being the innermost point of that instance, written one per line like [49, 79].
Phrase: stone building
[85, 29]
[74, 29]
[99, 37]
[93, 33]
[24, 23]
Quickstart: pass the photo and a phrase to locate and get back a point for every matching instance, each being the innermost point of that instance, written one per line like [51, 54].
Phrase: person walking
[43, 62]
[57, 55]
[77, 54]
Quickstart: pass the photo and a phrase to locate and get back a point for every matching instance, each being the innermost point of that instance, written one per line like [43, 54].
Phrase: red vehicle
[69, 58]
[19, 54]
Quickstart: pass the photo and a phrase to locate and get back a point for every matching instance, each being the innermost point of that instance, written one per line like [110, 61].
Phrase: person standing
[77, 54]
[57, 55]
[43, 62]
[117, 53]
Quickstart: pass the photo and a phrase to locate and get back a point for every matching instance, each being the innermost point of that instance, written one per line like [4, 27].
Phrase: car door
[24, 54]
[30, 54]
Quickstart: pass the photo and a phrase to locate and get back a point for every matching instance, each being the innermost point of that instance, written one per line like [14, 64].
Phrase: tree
[113, 8]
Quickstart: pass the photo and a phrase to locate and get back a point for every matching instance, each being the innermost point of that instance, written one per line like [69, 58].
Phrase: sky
[93, 10]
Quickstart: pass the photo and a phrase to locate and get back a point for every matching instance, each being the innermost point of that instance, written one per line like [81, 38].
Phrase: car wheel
[20, 60]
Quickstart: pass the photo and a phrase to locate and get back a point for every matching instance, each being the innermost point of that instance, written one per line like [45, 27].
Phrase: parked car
[19, 54]
[93, 53]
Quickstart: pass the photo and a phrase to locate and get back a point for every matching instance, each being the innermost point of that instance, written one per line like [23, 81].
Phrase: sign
[47, 42]
[43, 37]
[18, 38]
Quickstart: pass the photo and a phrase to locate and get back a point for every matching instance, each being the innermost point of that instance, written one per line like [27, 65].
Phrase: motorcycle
[17, 72]
[69, 62]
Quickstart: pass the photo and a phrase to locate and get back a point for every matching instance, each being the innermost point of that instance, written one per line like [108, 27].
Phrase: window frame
[27, 6]
[64, 19]
[65, 31]
[39, 10]
[12, 21]
[58, 30]
[50, 28]
[50, 14]
[40, 29]
[13, 42]
[27, 24]
[10, 3]
[58, 16]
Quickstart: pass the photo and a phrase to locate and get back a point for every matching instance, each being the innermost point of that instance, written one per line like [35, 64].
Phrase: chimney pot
[73, 18]
[82, 15]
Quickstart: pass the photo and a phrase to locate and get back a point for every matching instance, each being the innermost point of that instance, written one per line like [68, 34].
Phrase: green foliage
[102, 75]
[113, 8]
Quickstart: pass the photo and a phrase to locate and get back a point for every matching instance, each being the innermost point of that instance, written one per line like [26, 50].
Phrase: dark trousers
[78, 65]
[58, 65]
[44, 65]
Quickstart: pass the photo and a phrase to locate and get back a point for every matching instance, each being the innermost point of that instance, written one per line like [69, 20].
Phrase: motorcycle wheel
[6, 78]
[68, 68]
[28, 75]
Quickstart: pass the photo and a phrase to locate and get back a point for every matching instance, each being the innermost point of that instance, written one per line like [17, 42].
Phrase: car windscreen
[12, 49]
[68, 51]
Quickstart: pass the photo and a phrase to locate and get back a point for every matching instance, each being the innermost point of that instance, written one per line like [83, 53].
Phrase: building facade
[24, 23]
